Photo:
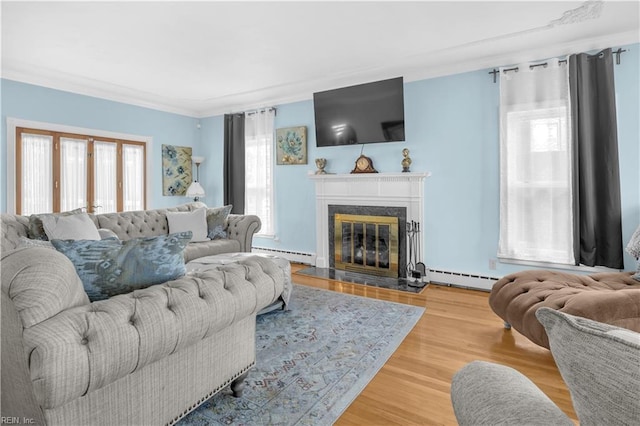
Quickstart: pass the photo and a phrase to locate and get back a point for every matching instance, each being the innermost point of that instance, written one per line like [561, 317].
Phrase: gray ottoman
[207, 262]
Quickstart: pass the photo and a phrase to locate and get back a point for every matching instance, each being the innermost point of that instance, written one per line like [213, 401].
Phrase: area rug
[312, 360]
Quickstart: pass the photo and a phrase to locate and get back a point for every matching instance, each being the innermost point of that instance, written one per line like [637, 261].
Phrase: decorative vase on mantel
[321, 163]
[406, 161]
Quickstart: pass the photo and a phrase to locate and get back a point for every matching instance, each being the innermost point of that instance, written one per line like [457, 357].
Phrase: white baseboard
[291, 256]
[460, 279]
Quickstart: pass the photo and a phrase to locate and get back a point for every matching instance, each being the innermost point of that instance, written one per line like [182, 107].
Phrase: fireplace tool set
[416, 268]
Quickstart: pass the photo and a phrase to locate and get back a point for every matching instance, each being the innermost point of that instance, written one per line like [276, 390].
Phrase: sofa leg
[507, 326]
[237, 386]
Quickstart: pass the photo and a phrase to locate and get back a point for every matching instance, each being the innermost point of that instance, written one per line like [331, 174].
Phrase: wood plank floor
[457, 327]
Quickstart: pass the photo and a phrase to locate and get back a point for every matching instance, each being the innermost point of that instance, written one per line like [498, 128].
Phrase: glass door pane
[133, 177]
[37, 174]
[105, 183]
[73, 173]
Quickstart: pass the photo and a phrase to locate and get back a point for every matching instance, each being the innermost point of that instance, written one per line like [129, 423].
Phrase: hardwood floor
[457, 327]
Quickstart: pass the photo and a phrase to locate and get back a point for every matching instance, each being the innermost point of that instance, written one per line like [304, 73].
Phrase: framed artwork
[291, 145]
[177, 172]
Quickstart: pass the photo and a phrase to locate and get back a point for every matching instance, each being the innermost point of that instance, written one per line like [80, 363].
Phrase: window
[536, 216]
[259, 168]
[60, 171]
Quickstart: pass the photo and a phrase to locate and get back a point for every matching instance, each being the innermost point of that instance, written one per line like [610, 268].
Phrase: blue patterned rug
[312, 361]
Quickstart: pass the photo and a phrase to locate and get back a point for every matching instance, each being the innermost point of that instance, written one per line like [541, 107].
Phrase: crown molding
[413, 68]
[523, 56]
[93, 88]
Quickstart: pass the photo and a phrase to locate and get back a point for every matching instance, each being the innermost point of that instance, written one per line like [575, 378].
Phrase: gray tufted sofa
[146, 223]
[147, 357]
[144, 358]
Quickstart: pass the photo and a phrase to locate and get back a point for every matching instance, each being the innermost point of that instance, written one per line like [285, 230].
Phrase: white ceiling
[209, 58]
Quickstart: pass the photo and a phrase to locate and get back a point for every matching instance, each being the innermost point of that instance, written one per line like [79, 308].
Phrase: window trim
[559, 266]
[14, 123]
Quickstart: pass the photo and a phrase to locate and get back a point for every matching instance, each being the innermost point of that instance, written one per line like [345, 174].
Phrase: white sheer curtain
[37, 174]
[535, 164]
[105, 158]
[73, 173]
[259, 167]
[133, 177]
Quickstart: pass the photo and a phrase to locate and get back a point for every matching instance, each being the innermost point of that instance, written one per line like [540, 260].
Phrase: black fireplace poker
[415, 266]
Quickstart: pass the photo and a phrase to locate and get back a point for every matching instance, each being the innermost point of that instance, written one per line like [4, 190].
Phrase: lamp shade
[195, 190]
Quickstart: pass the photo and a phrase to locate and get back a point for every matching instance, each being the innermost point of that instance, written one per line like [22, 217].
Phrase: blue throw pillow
[217, 222]
[110, 267]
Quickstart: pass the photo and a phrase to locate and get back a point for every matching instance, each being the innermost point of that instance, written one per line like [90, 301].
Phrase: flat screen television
[365, 113]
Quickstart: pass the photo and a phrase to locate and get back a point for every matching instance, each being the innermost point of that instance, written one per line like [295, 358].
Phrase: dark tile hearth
[401, 284]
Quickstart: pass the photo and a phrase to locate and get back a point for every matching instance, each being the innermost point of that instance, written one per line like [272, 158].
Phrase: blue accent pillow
[110, 267]
[217, 222]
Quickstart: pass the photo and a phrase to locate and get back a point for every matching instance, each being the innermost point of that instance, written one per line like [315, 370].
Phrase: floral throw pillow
[217, 222]
[110, 267]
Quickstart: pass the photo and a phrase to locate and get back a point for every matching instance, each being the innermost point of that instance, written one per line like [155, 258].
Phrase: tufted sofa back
[137, 224]
[126, 225]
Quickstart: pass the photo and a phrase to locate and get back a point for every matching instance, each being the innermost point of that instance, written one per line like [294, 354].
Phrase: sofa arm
[18, 400]
[484, 393]
[242, 228]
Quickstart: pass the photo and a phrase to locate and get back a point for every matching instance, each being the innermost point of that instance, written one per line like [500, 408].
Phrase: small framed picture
[291, 145]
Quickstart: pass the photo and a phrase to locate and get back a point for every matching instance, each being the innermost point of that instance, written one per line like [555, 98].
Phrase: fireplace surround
[376, 219]
[367, 192]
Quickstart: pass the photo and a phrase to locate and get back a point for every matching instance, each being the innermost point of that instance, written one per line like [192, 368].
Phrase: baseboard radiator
[459, 279]
[291, 256]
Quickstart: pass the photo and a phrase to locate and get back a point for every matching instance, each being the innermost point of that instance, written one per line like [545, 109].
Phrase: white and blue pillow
[217, 222]
[111, 267]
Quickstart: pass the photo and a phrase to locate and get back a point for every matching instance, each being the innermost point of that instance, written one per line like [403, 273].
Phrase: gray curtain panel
[597, 207]
[234, 162]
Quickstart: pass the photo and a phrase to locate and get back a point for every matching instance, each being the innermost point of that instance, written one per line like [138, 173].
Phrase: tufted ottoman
[611, 297]
[206, 262]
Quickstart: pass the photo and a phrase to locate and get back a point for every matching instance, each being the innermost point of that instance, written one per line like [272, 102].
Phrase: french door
[61, 171]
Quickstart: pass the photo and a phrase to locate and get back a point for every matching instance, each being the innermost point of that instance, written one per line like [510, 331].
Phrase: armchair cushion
[600, 364]
[484, 393]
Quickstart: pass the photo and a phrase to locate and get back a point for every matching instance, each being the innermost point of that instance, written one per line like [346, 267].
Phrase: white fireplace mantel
[365, 189]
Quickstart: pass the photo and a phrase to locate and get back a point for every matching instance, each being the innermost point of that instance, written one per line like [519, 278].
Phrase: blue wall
[36, 103]
[451, 131]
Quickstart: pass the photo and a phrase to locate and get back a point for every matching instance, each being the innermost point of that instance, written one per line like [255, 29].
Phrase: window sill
[267, 236]
[561, 266]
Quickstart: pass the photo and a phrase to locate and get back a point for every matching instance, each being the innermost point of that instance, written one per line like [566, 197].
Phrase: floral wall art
[291, 145]
[176, 170]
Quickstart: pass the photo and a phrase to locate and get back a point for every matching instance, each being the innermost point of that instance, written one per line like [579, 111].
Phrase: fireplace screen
[367, 244]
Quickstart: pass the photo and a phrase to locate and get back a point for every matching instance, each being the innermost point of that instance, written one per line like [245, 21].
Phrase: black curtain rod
[495, 72]
[262, 110]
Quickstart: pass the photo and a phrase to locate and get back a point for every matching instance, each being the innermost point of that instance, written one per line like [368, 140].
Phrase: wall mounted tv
[365, 113]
